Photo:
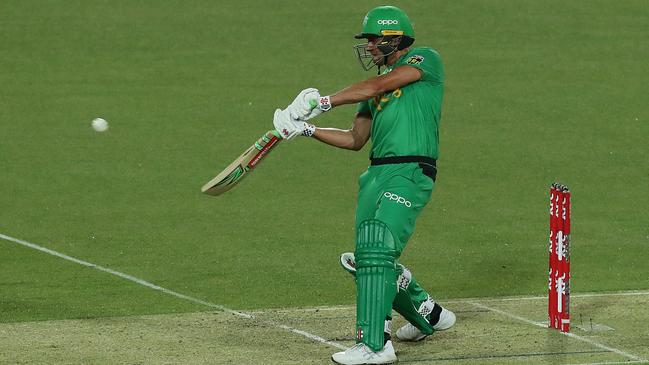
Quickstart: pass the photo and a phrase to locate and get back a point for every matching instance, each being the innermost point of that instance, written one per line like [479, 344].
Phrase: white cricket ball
[99, 124]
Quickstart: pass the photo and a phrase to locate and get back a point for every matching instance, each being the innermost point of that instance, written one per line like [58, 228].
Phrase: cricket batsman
[400, 110]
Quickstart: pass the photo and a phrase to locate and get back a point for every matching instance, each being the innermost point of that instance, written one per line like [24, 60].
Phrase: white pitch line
[612, 363]
[306, 309]
[170, 292]
[459, 300]
[572, 335]
[572, 295]
[614, 294]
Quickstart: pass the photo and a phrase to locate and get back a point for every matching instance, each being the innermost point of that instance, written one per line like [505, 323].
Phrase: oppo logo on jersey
[387, 22]
[397, 198]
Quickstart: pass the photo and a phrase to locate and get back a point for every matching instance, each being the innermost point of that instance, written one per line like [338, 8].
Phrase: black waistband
[402, 159]
[428, 165]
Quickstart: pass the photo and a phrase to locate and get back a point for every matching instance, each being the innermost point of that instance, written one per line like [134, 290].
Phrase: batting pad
[376, 286]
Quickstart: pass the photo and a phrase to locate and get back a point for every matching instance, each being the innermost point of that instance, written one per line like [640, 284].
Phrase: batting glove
[319, 105]
[301, 106]
[289, 127]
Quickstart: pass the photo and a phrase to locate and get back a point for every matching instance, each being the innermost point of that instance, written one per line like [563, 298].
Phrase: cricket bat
[240, 167]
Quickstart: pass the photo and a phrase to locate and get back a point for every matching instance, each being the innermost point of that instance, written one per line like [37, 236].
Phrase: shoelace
[365, 352]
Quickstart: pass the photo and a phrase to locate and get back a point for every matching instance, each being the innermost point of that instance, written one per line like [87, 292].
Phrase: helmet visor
[364, 56]
[386, 44]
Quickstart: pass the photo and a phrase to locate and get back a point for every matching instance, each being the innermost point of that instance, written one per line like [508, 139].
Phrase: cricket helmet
[390, 29]
[386, 21]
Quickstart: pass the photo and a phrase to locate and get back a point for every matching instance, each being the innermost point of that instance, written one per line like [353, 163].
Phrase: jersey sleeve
[428, 61]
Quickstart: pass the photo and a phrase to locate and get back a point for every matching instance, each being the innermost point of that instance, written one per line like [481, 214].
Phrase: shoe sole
[386, 363]
[388, 360]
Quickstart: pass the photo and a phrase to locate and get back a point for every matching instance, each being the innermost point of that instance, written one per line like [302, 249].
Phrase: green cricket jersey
[405, 121]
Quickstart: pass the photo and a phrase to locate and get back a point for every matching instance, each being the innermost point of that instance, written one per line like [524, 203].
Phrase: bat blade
[242, 166]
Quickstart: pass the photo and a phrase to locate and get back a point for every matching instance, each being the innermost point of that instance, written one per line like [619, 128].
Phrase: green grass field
[537, 92]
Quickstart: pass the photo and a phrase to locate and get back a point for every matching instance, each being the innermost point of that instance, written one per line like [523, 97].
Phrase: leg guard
[412, 302]
[376, 252]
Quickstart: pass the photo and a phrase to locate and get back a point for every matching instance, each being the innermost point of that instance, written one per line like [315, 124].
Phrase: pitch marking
[170, 292]
[536, 297]
[572, 335]
[458, 300]
[490, 357]
[634, 358]
[612, 363]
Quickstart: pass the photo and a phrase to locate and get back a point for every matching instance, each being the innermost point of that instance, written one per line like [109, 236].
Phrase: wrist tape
[324, 103]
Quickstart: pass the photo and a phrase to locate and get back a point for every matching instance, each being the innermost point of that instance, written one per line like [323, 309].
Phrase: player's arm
[351, 139]
[364, 90]
[309, 104]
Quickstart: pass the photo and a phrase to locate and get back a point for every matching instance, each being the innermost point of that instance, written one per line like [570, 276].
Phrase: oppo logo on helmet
[387, 22]
[397, 198]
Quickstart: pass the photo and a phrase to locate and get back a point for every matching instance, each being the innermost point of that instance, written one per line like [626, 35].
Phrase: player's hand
[318, 104]
[289, 127]
[302, 106]
[284, 124]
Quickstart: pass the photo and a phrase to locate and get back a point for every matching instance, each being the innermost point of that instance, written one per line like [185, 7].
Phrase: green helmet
[392, 28]
[386, 21]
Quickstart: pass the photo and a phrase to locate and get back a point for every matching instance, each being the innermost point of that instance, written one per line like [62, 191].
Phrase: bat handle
[272, 137]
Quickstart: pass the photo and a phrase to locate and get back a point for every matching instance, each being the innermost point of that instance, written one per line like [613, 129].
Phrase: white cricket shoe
[361, 354]
[409, 332]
